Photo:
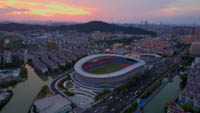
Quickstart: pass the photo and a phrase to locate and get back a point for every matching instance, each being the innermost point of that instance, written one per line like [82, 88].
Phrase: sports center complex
[106, 70]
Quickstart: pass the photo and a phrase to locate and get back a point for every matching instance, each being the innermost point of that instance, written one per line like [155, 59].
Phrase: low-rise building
[53, 104]
[49, 63]
[188, 39]
[174, 108]
[191, 92]
[56, 59]
[64, 57]
[39, 65]
[9, 75]
[8, 57]
[195, 49]
[5, 95]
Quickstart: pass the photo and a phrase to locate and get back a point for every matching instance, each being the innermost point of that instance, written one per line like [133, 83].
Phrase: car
[110, 97]
[104, 107]
[136, 92]
[113, 109]
[95, 111]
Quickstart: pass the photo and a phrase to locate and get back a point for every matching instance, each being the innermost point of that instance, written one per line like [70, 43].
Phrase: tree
[184, 81]
[166, 107]
[102, 94]
[132, 108]
[51, 46]
[32, 47]
[183, 77]
[23, 72]
[188, 107]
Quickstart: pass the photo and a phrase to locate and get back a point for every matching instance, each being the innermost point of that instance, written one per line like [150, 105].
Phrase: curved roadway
[55, 90]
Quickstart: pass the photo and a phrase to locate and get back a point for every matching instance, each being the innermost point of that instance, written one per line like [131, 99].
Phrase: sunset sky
[124, 11]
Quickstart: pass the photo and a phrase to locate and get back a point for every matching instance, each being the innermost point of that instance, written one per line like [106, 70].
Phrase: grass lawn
[69, 85]
[107, 69]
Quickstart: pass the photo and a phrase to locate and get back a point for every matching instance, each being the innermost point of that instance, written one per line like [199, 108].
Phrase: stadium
[106, 70]
[150, 58]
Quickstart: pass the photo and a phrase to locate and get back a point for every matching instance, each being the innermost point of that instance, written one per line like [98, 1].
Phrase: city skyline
[122, 11]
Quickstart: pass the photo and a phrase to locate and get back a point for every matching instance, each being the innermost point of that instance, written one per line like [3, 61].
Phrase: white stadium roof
[78, 66]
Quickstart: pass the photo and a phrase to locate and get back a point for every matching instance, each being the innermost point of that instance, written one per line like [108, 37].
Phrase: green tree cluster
[15, 64]
[184, 81]
[43, 92]
[68, 93]
[150, 90]
[132, 81]
[60, 84]
[102, 94]
[51, 46]
[188, 108]
[23, 72]
[123, 40]
[132, 108]
[166, 107]
[32, 47]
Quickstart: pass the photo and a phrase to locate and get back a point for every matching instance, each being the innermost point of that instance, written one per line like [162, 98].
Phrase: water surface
[24, 93]
[169, 93]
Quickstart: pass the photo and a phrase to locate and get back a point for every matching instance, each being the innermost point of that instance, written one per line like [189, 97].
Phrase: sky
[118, 11]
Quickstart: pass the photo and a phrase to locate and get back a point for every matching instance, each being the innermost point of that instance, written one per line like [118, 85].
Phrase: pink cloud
[11, 10]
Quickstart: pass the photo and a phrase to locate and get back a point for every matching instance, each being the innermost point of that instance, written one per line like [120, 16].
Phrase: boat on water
[5, 96]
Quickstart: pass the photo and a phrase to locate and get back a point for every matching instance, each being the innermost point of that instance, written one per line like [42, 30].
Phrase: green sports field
[107, 69]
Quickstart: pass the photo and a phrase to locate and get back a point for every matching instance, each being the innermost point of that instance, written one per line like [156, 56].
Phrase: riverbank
[168, 93]
[25, 93]
[10, 77]
[44, 92]
[5, 96]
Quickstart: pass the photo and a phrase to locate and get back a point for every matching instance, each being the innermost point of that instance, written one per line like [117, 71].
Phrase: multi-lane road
[110, 105]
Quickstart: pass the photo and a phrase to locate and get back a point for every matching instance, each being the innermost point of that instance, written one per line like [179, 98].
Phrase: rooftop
[53, 103]
[79, 64]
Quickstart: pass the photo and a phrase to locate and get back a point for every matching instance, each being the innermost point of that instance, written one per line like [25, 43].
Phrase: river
[25, 92]
[169, 93]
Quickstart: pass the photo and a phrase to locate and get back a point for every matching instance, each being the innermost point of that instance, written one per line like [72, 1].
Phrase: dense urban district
[98, 67]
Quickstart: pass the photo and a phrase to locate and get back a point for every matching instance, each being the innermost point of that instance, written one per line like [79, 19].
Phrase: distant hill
[85, 27]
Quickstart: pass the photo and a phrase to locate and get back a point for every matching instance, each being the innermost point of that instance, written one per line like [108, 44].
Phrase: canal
[169, 93]
[25, 92]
